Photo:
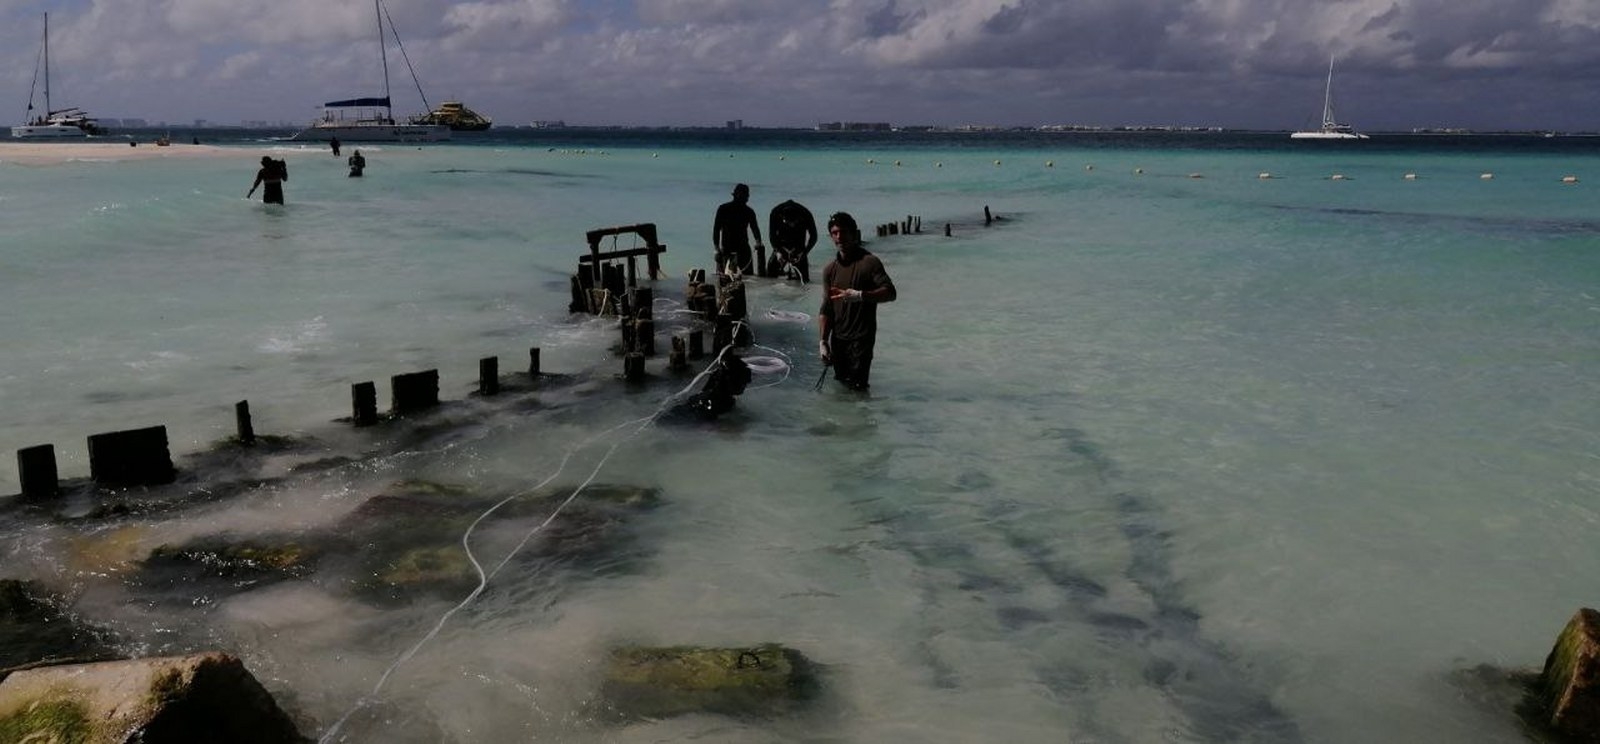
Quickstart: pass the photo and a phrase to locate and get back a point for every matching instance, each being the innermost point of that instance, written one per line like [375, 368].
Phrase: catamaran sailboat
[54, 123]
[370, 119]
[1331, 128]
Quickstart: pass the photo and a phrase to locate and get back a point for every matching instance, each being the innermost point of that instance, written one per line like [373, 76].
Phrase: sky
[1245, 64]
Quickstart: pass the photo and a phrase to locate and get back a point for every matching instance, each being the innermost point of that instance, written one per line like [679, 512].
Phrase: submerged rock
[36, 628]
[653, 682]
[176, 700]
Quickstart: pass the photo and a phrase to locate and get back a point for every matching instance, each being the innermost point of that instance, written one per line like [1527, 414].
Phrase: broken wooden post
[580, 296]
[644, 301]
[644, 336]
[489, 376]
[133, 457]
[36, 466]
[697, 344]
[678, 359]
[917, 226]
[987, 218]
[413, 391]
[633, 367]
[364, 401]
[947, 229]
[1569, 688]
[241, 418]
[533, 362]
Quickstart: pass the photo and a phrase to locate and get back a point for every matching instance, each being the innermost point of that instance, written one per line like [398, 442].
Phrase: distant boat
[457, 116]
[371, 119]
[1331, 128]
[55, 123]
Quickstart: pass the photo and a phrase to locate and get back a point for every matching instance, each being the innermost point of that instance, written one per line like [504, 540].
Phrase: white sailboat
[70, 122]
[1331, 128]
[369, 119]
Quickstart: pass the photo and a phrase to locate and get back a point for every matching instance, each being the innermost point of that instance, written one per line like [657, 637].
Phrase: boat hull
[374, 132]
[1327, 136]
[48, 131]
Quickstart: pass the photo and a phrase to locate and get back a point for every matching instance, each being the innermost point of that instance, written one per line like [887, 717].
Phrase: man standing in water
[272, 173]
[793, 231]
[854, 282]
[728, 233]
[334, 143]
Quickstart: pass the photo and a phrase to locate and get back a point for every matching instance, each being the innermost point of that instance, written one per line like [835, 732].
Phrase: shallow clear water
[1170, 453]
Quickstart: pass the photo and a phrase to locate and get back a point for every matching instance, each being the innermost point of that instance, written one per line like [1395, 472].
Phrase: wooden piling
[633, 367]
[241, 418]
[489, 376]
[697, 344]
[947, 229]
[644, 300]
[413, 391]
[678, 359]
[133, 457]
[36, 466]
[533, 362]
[987, 218]
[364, 401]
[644, 336]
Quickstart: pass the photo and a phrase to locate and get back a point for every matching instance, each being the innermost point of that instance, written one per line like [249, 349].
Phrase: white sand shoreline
[17, 152]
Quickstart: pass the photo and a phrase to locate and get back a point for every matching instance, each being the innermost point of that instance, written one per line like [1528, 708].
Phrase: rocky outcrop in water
[658, 682]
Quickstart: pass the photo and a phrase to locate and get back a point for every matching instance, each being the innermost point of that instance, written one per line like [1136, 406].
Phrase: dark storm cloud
[1401, 63]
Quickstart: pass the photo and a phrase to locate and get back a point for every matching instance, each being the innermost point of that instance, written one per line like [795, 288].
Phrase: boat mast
[1327, 99]
[47, 110]
[383, 53]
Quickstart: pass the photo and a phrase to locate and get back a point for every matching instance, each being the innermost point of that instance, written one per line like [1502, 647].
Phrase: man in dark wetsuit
[854, 283]
[728, 233]
[272, 173]
[334, 143]
[793, 231]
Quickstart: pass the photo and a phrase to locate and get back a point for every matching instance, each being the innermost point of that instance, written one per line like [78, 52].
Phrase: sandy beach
[50, 153]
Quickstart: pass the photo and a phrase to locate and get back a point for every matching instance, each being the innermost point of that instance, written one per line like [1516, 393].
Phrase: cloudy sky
[1481, 64]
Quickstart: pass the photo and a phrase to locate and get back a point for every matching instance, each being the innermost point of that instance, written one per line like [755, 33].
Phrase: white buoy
[1049, 163]
[1196, 175]
[1336, 177]
[1411, 176]
[938, 165]
[1088, 167]
[783, 157]
[1138, 171]
[897, 163]
[1263, 175]
[655, 154]
[996, 162]
[870, 161]
[1569, 179]
[1486, 176]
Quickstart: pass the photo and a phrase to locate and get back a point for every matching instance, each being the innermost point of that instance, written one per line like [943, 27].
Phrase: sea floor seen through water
[1169, 451]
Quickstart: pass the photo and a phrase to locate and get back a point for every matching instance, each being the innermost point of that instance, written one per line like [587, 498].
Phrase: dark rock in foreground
[175, 700]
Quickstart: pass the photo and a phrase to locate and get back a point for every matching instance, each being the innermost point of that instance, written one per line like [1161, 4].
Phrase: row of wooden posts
[603, 286]
[142, 457]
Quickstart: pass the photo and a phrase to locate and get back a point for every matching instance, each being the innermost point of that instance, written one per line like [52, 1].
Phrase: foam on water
[1154, 458]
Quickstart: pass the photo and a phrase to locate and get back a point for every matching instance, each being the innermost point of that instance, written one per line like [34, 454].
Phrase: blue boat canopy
[359, 103]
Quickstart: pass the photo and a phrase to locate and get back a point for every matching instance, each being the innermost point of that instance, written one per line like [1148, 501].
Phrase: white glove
[824, 352]
[852, 295]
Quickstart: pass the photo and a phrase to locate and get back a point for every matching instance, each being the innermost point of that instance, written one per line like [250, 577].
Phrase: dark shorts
[852, 361]
[273, 193]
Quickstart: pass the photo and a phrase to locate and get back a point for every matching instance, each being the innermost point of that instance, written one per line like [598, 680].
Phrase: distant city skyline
[1245, 64]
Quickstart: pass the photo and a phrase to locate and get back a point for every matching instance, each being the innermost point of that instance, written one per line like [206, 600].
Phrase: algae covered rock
[1569, 690]
[200, 698]
[657, 682]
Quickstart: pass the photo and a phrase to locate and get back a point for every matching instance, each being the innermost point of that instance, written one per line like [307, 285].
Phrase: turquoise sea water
[1172, 452]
